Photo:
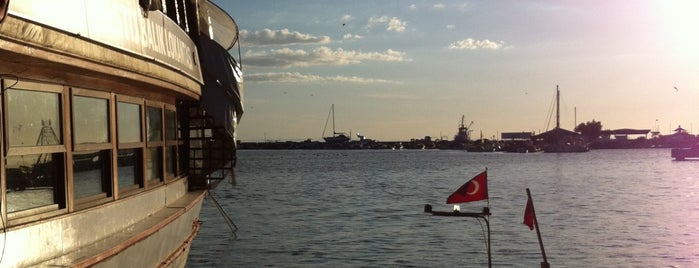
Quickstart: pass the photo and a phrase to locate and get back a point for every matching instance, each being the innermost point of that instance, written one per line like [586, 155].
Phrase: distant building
[516, 136]
[624, 133]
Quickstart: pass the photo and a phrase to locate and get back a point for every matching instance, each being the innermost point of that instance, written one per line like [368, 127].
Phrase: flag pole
[544, 264]
[486, 218]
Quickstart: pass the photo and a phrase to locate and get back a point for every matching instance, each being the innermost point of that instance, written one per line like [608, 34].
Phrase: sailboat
[337, 137]
[559, 140]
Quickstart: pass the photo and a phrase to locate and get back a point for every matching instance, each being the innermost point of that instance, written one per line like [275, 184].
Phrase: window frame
[171, 143]
[103, 197]
[50, 210]
[159, 145]
[141, 145]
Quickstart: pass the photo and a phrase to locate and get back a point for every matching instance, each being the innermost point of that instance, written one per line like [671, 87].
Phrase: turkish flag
[473, 190]
[529, 214]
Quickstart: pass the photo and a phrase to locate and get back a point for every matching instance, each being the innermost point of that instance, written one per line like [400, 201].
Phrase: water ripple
[605, 208]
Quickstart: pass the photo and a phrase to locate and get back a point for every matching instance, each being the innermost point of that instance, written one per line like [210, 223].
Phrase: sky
[402, 69]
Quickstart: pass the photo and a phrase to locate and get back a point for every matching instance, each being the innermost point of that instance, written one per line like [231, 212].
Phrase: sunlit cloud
[280, 37]
[346, 18]
[472, 44]
[392, 24]
[439, 6]
[450, 27]
[412, 7]
[286, 57]
[396, 25]
[295, 77]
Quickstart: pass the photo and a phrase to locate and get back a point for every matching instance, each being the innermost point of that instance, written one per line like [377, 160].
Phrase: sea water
[363, 208]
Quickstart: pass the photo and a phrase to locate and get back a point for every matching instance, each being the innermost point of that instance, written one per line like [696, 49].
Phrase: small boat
[681, 154]
[337, 137]
[559, 140]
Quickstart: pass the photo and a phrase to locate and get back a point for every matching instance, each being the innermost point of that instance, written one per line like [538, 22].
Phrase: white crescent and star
[475, 188]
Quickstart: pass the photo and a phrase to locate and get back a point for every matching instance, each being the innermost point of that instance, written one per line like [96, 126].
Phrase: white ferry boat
[114, 115]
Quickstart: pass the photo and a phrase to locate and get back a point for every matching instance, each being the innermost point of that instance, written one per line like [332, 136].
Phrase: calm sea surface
[605, 208]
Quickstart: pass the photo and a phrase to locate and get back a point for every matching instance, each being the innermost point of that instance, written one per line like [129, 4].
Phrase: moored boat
[115, 114]
[337, 137]
[559, 140]
[681, 154]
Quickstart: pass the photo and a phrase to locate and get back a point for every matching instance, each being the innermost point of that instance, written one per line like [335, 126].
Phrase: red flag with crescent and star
[473, 190]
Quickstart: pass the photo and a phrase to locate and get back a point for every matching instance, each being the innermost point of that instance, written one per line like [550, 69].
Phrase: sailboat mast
[332, 108]
[558, 109]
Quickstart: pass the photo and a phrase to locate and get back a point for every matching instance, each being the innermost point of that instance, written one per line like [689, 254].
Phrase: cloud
[412, 7]
[280, 37]
[352, 37]
[396, 25]
[295, 77]
[377, 20]
[472, 44]
[392, 24]
[346, 18]
[450, 27]
[439, 6]
[286, 57]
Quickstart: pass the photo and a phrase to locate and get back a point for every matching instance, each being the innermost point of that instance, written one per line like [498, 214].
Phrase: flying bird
[676, 89]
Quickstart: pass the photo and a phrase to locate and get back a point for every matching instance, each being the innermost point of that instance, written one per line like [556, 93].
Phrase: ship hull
[152, 229]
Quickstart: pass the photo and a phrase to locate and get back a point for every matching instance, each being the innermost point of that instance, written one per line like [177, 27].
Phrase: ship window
[128, 122]
[171, 161]
[154, 164]
[129, 164]
[35, 157]
[90, 120]
[35, 181]
[171, 143]
[92, 174]
[130, 137]
[170, 125]
[155, 124]
[92, 159]
[154, 153]
[33, 114]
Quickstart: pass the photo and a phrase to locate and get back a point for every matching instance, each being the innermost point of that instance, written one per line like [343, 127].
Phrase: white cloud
[396, 25]
[346, 18]
[377, 20]
[412, 7]
[279, 37]
[295, 77]
[450, 27]
[392, 24]
[286, 57]
[472, 44]
[352, 37]
[439, 6]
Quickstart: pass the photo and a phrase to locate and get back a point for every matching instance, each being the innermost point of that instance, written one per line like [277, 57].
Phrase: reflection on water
[605, 208]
